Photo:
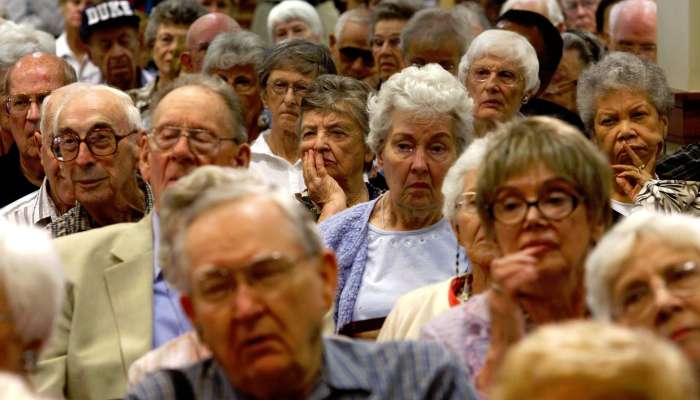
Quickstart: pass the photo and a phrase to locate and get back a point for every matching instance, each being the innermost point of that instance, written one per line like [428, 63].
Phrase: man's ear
[243, 157]
[39, 145]
[187, 307]
[332, 41]
[145, 157]
[186, 61]
[329, 275]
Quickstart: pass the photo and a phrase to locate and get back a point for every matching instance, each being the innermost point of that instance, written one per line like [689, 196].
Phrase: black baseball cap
[108, 14]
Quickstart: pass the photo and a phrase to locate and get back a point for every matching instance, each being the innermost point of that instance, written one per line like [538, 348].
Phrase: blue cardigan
[346, 234]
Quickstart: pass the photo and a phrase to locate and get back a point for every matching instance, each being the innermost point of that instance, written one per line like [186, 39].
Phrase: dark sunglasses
[350, 54]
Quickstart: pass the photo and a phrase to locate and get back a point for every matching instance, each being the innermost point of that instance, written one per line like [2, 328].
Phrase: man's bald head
[200, 34]
[633, 28]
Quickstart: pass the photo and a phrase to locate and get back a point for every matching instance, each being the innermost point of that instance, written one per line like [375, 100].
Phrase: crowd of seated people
[343, 199]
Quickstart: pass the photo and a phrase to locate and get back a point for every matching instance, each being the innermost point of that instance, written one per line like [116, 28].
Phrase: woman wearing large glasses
[542, 194]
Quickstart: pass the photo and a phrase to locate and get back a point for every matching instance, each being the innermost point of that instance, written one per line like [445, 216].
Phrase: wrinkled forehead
[80, 110]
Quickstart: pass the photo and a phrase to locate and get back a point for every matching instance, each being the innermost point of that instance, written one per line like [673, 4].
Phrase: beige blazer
[106, 320]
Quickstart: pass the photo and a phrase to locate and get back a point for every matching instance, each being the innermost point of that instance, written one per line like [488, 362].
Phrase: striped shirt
[36, 208]
[351, 369]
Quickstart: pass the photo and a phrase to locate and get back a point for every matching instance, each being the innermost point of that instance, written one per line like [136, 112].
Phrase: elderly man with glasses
[121, 307]
[257, 291]
[95, 133]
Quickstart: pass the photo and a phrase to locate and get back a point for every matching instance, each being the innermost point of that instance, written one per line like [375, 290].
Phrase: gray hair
[289, 10]
[427, 91]
[172, 12]
[618, 71]
[453, 185]
[31, 275]
[230, 49]
[612, 358]
[573, 41]
[306, 58]
[224, 91]
[554, 13]
[338, 94]
[124, 101]
[507, 45]
[521, 144]
[207, 187]
[436, 26]
[472, 15]
[356, 15]
[49, 108]
[19, 40]
[605, 261]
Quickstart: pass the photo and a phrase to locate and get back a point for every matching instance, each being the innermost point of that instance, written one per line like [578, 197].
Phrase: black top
[14, 184]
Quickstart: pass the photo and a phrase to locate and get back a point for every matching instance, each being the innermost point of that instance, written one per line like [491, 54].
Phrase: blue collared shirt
[169, 321]
[351, 369]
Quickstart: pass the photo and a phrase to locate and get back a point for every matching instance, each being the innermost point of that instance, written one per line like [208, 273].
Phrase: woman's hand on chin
[631, 178]
[509, 274]
[323, 189]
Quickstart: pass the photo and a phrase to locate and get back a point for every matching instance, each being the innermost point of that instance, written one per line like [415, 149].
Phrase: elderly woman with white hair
[625, 104]
[645, 273]
[588, 360]
[31, 292]
[419, 123]
[542, 195]
[235, 57]
[292, 19]
[500, 71]
[416, 308]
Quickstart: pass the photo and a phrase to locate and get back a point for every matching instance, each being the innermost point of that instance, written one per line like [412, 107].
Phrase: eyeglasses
[264, 276]
[101, 142]
[20, 103]
[466, 203]
[636, 48]
[553, 204]
[503, 76]
[280, 88]
[201, 142]
[392, 41]
[637, 301]
[350, 54]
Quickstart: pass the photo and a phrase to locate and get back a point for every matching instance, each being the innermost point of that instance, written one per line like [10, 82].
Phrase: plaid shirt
[682, 165]
[351, 370]
[78, 219]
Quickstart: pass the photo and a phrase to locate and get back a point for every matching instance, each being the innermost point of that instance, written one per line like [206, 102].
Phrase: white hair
[554, 13]
[124, 101]
[32, 278]
[507, 45]
[48, 108]
[453, 185]
[12, 386]
[16, 41]
[289, 10]
[615, 361]
[356, 15]
[428, 91]
[208, 187]
[604, 262]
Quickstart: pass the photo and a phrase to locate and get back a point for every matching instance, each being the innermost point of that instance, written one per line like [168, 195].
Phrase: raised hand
[631, 178]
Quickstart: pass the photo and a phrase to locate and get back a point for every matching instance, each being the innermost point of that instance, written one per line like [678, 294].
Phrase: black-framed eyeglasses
[20, 103]
[553, 204]
[264, 275]
[280, 87]
[201, 142]
[349, 54]
[102, 142]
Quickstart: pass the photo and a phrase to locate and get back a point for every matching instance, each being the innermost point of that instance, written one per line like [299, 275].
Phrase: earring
[526, 99]
[457, 261]
[29, 360]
